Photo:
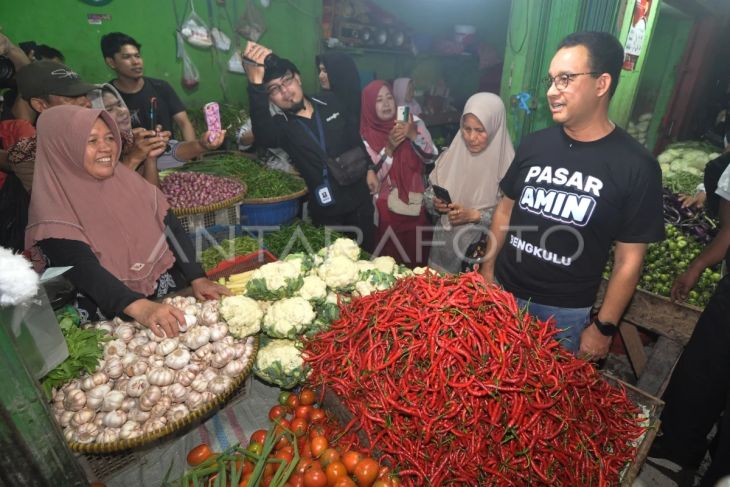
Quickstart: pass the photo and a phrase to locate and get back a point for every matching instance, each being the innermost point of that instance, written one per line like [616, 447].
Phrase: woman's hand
[395, 138]
[410, 129]
[440, 205]
[458, 215]
[160, 145]
[696, 201]
[145, 141]
[162, 319]
[204, 289]
[372, 180]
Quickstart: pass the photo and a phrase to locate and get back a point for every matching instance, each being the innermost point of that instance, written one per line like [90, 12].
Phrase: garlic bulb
[121, 384]
[228, 340]
[58, 406]
[95, 397]
[87, 383]
[149, 398]
[137, 385]
[161, 407]
[177, 359]
[160, 376]
[219, 385]
[184, 377]
[114, 368]
[233, 368]
[203, 353]
[166, 346]
[154, 424]
[105, 326]
[153, 337]
[86, 433]
[130, 358]
[116, 347]
[100, 377]
[138, 415]
[69, 434]
[124, 332]
[178, 411]
[218, 331]
[191, 300]
[65, 418]
[221, 358]
[118, 321]
[138, 368]
[177, 392]
[75, 400]
[209, 374]
[137, 341]
[115, 419]
[146, 349]
[238, 350]
[197, 337]
[108, 435]
[190, 321]
[207, 396]
[83, 416]
[194, 400]
[129, 430]
[200, 384]
[99, 420]
[209, 315]
[128, 404]
[112, 401]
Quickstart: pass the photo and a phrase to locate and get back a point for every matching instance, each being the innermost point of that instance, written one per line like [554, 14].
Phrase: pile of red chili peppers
[453, 384]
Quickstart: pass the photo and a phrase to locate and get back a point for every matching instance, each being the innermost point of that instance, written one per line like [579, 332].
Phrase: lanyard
[321, 142]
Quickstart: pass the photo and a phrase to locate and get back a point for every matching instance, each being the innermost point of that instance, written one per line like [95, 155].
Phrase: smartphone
[403, 113]
[442, 194]
[212, 119]
[153, 113]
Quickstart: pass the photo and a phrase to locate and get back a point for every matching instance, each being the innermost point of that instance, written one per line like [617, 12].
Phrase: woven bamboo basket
[193, 417]
[276, 199]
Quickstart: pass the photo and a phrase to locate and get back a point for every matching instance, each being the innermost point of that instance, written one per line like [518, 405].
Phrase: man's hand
[255, 52]
[145, 141]
[594, 345]
[5, 44]
[696, 201]
[372, 180]
[159, 148]
[212, 140]
[440, 205]
[458, 215]
[205, 289]
[684, 283]
[162, 319]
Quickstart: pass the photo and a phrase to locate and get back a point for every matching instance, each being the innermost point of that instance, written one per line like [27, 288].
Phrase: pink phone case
[212, 119]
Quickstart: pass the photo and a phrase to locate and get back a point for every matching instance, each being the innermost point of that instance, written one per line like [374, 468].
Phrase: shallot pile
[190, 189]
[145, 382]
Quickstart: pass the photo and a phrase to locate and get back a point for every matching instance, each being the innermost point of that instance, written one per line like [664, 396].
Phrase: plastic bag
[221, 40]
[234, 63]
[251, 24]
[190, 74]
[195, 31]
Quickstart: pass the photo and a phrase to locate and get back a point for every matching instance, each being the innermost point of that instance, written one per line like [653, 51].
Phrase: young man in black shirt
[310, 130]
[573, 191]
[122, 54]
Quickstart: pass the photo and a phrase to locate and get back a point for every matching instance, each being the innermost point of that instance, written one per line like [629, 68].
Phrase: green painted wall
[293, 30]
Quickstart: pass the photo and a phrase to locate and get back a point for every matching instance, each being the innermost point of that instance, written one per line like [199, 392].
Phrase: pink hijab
[400, 90]
[120, 218]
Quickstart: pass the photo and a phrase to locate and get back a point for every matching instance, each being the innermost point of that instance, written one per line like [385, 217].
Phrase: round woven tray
[215, 206]
[277, 199]
[169, 428]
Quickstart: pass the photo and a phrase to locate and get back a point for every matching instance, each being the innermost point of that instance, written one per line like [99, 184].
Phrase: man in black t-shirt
[573, 191]
[310, 130]
[122, 54]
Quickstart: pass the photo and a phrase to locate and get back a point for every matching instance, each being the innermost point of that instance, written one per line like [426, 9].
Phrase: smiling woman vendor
[115, 229]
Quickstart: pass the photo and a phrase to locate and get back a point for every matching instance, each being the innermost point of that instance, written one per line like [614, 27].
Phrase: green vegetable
[85, 349]
[228, 249]
[299, 237]
[232, 117]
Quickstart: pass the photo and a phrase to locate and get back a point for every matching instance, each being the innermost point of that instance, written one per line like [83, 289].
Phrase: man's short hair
[44, 51]
[605, 53]
[276, 67]
[112, 43]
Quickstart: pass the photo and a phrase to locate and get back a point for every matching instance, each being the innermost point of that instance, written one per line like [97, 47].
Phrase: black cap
[276, 67]
[42, 78]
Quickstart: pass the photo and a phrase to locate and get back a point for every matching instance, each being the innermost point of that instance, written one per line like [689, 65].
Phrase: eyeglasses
[563, 80]
[286, 82]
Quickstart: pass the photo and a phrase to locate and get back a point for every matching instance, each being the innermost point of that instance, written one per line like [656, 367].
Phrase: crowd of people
[540, 221]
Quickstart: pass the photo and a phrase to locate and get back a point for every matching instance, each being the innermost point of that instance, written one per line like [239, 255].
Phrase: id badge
[324, 196]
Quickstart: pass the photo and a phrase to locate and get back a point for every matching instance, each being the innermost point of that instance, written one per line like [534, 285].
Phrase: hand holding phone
[442, 194]
[212, 119]
[403, 114]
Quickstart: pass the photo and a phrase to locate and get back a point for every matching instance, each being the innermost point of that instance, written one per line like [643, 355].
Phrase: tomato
[345, 482]
[285, 455]
[303, 465]
[382, 483]
[266, 480]
[315, 477]
[299, 426]
[282, 442]
[248, 467]
[317, 415]
[255, 448]
[283, 396]
[307, 397]
[97, 484]
[303, 412]
[258, 436]
[334, 471]
[351, 459]
[384, 472]
[328, 456]
[317, 430]
[292, 401]
[270, 469]
[296, 480]
[366, 472]
[318, 445]
[277, 412]
[199, 454]
[305, 451]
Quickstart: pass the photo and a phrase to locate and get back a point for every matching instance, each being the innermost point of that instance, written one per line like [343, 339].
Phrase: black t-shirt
[168, 103]
[572, 201]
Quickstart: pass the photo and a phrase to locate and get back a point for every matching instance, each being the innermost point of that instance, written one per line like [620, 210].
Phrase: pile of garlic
[145, 382]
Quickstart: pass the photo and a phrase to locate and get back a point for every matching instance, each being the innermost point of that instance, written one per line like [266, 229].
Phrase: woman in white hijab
[470, 170]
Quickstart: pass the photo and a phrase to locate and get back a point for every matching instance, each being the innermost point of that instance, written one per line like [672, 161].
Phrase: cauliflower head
[342, 247]
[280, 362]
[339, 272]
[313, 289]
[288, 318]
[364, 288]
[305, 261]
[385, 264]
[365, 265]
[275, 280]
[242, 314]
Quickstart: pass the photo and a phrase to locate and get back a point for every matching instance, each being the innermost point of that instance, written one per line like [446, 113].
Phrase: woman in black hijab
[338, 74]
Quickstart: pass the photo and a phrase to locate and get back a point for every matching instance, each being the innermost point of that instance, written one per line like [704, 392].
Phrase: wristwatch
[606, 328]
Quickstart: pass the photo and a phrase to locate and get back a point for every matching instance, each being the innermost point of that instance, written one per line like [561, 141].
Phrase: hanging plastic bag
[251, 24]
[190, 74]
[234, 63]
[195, 31]
[221, 40]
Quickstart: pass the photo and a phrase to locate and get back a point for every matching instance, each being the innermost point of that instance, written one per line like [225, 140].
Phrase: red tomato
[245, 480]
[283, 442]
[317, 415]
[247, 467]
[199, 454]
[296, 480]
[318, 445]
[258, 436]
[277, 412]
[315, 477]
[285, 455]
[266, 480]
[299, 426]
[328, 456]
[317, 430]
[270, 469]
[345, 482]
[307, 397]
[303, 412]
[351, 459]
[303, 465]
[335, 471]
[384, 472]
[366, 472]
[305, 451]
[292, 401]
